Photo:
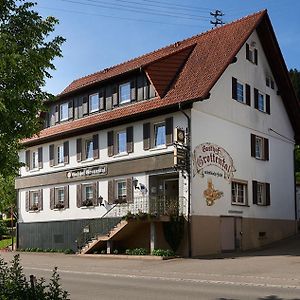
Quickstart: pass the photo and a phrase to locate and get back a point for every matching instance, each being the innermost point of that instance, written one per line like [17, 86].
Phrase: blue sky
[102, 33]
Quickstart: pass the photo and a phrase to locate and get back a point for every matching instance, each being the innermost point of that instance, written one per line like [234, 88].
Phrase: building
[108, 148]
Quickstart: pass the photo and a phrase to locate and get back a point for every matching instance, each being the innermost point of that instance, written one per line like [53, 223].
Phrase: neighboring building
[108, 149]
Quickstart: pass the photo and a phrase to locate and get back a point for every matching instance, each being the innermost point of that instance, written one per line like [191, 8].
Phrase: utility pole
[217, 14]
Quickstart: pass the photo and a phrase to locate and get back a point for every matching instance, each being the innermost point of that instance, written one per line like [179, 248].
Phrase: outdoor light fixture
[135, 183]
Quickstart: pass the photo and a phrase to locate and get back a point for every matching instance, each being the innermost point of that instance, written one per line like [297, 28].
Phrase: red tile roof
[207, 54]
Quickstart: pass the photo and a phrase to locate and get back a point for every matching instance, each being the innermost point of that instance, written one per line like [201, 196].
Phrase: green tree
[27, 52]
[295, 78]
[7, 193]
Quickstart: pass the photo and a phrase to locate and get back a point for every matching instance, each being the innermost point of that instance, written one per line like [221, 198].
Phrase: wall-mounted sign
[92, 171]
[208, 154]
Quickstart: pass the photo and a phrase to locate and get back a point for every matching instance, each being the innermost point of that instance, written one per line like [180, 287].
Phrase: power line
[117, 17]
[127, 8]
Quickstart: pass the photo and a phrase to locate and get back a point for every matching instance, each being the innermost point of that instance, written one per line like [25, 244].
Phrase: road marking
[191, 280]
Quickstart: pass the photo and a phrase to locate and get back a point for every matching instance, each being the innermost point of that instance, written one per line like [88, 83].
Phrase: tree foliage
[27, 52]
[7, 193]
[295, 78]
[14, 285]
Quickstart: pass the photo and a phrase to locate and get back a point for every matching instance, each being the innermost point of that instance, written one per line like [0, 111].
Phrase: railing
[154, 206]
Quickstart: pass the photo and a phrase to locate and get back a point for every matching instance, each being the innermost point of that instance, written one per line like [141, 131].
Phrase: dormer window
[64, 112]
[94, 102]
[124, 92]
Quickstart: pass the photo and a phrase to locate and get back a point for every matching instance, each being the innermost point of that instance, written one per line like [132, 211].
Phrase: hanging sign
[209, 154]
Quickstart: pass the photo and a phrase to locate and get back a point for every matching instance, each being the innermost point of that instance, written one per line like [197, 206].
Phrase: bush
[3, 229]
[162, 252]
[136, 251]
[69, 251]
[14, 285]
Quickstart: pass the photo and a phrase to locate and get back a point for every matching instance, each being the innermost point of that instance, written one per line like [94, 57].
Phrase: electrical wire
[125, 8]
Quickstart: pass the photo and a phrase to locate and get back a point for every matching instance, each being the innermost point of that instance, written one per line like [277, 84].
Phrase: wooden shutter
[66, 197]
[51, 155]
[40, 200]
[96, 146]
[248, 95]
[52, 198]
[169, 131]
[27, 196]
[79, 149]
[247, 51]
[56, 114]
[129, 138]
[268, 104]
[27, 159]
[115, 98]
[95, 193]
[255, 98]
[234, 88]
[132, 90]
[71, 109]
[101, 99]
[85, 104]
[40, 157]
[110, 143]
[253, 154]
[268, 196]
[66, 152]
[146, 136]
[111, 192]
[79, 195]
[254, 191]
[255, 56]
[129, 190]
[266, 149]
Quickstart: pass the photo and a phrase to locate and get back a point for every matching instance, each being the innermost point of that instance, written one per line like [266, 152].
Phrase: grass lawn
[4, 243]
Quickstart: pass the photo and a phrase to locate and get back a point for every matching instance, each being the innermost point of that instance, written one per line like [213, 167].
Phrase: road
[271, 274]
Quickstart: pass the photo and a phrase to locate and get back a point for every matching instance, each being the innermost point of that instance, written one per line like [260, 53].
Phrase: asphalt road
[271, 274]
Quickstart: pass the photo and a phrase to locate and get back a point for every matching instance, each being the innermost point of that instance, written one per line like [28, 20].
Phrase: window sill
[87, 207]
[87, 160]
[121, 154]
[159, 148]
[33, 170]
[59, 165]
[34, 211]
[58, 209]
[240, 204]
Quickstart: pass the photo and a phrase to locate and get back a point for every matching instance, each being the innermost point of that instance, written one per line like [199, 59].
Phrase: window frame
[125, 100]
[259, 153]
[90, 102]
[235, 196]
[34, 160]
[262, 96]
[60, 155]
[123, 195]
[61, 111]
[87, 201]
[86, 152]
[118, 135]
[34, 200]
[243, 100]
[261, 194]
[156, 126]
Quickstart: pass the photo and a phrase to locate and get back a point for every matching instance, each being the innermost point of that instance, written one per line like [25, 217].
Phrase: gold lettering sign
[209, 154]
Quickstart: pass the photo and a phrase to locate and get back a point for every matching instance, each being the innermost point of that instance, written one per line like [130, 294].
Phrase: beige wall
[205, 233]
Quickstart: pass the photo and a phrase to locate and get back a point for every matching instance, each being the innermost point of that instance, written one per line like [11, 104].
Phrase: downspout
[188, 170]
[295, 191]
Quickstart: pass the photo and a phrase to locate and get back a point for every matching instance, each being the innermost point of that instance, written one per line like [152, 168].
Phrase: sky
[103, 33]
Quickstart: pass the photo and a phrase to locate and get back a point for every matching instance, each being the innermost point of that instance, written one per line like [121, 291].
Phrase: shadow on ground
[288, 247]
[271, 297]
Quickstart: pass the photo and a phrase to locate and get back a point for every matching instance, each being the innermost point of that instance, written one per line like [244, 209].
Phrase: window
[124, 92]
[239, 193]
[261, 193]
[93, 102]
[261, 102]
[251, 53]
[121, 189]
[259, 147]
[159, 134]
[88, 195]
[34, 200]
[64, 112]
[89, 149]
[34, 160]
[121, 142]
[60, 154]
[240, 92]
[60, 198]
[270, 82]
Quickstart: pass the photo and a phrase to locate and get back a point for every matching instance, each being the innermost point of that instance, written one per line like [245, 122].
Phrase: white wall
[228, 123]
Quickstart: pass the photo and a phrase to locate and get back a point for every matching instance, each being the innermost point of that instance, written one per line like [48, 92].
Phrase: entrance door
[231, 229]
[171, 191]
